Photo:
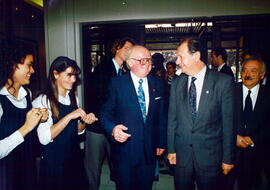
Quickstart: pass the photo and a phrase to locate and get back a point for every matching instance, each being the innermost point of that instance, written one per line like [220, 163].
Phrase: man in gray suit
[201, 137]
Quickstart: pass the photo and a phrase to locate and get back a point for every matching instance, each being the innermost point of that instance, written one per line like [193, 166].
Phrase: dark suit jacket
[211, 136]
[227, 70]
[100, 84]
[122, 107]
[258, 128]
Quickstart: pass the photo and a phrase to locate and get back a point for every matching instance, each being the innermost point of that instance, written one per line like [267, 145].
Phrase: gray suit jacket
[212, 136]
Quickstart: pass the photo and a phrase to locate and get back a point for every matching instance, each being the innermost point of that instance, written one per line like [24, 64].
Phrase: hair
[173, 64]
[220, 51]
[119, 43]
[193, 44]
[263, 69]
[60, 64]
[9, 62]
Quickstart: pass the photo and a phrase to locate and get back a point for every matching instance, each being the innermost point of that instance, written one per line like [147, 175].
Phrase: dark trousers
[248, 170]
[185, 177]
[134, 177]
[96, 148]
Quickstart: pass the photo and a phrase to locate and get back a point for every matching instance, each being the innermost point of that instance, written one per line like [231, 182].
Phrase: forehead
[253, 64]
[141, 52]
[69, 70]
[182, 48]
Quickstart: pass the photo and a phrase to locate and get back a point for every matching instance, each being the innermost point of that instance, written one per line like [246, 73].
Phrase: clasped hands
[121, 136]
[87, 118]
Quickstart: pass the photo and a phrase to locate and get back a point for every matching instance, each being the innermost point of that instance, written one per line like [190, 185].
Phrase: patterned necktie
[141, 99]
[248, 108]
[192, 96]
[119, 72]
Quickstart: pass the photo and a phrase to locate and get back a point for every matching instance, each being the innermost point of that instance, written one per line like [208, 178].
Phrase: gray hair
[256, 59]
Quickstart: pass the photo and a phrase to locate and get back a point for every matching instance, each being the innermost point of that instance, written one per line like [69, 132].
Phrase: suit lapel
[151, 89]
[183, 95]
[207, 90]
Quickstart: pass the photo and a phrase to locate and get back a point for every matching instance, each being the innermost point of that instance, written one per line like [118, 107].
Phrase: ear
[129, 62]
[262, 75]
[56, 74]
[197, 55]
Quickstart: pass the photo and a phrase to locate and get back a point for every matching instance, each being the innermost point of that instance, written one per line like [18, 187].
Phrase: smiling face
[65, 80]
[23, 71]
[185, 59]
[140, 68]
[251, 73]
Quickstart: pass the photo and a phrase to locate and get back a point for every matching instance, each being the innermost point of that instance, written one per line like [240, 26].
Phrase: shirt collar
[253, 90]
[136, 78]
[116, 65]
[220, 67]
[21, 94]
[201, 74]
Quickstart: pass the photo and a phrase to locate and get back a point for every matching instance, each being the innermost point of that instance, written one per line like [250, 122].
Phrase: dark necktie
[119, 72]
[248, 108]
[192, 95]
[141, 99]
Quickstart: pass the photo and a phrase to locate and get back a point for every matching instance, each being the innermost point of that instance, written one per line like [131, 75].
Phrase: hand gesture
[78, 113]
[90, 118]
[172, 158]
[45, 114]
[119, 134]
[32, 119]
[241, 142]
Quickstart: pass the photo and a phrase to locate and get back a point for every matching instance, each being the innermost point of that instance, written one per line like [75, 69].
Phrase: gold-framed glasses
[143, 61]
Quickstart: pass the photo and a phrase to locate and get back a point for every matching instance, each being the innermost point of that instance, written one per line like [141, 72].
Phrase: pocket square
[157, 98]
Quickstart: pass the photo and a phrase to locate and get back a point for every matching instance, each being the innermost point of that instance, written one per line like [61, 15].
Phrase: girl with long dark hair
[62, 163]
[17, 121]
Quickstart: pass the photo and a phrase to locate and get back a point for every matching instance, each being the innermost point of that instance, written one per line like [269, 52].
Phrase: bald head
[139, 61]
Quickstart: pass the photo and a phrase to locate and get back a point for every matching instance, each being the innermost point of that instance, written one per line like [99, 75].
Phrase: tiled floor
[165, 181]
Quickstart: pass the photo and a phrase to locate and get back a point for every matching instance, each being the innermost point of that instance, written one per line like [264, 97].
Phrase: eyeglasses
[143, 61]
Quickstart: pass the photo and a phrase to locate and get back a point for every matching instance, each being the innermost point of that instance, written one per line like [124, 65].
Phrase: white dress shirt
[199, 84]
[9, 143]
[44, 128]
[135, 80]
[253, 95]
[116, 66]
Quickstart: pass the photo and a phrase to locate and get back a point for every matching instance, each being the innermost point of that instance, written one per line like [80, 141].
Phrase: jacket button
[190, 145]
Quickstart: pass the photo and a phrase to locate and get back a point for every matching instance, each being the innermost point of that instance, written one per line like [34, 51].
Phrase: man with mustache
[252, 124]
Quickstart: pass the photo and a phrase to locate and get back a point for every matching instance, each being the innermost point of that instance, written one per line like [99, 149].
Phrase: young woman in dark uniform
[17, 121]
[62, 162]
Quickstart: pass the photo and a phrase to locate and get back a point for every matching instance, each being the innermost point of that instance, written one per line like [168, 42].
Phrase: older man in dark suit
[201, 136]
[133, 117]
[252, 121]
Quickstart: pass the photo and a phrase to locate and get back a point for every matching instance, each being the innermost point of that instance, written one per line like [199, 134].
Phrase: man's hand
[248, 139]
[172, 158]
[226, 168]
[160, 151]
[119, 134]
[241, 142]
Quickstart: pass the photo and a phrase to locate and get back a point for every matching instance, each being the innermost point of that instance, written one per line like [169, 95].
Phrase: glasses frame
[143, 61]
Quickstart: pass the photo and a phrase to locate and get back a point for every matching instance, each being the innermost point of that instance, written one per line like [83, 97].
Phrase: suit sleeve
[108, 111]
[172, 120]
[162, 120]
[228, 129]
